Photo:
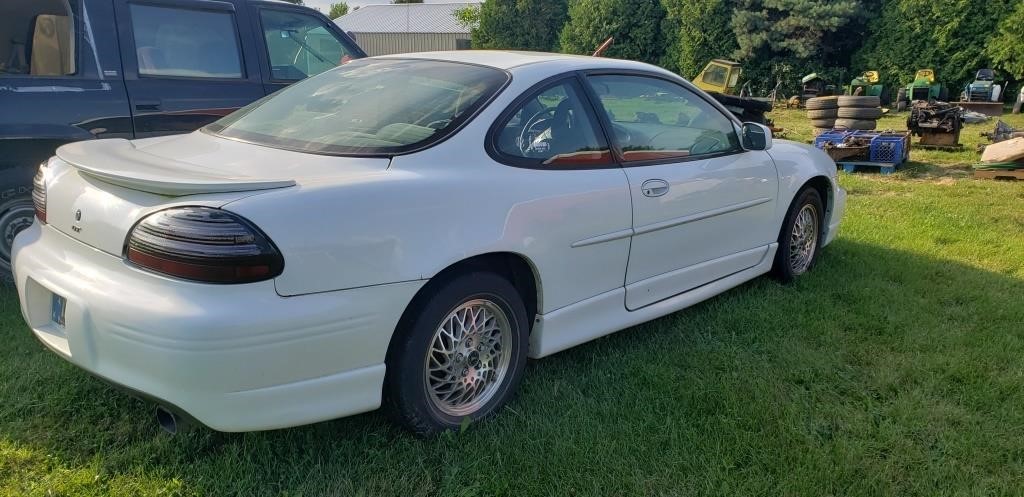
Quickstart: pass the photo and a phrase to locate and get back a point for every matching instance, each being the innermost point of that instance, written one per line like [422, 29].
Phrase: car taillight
[39, 193]
[203, 244]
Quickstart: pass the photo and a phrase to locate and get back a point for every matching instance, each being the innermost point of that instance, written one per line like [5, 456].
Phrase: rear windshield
[367, 107]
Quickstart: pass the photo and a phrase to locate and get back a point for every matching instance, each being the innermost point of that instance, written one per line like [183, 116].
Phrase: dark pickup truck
[83, 69]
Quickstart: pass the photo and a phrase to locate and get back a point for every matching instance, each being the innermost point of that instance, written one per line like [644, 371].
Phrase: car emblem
[78, 215]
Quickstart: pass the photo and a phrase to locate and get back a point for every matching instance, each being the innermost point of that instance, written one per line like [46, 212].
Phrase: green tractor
[867, 85]
[924, 87]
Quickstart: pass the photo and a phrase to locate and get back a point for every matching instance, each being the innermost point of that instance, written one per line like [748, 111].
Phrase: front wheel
[15, 216]
[459, 355]
[801, 236]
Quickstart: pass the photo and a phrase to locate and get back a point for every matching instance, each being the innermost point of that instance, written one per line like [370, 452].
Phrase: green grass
[894, 368]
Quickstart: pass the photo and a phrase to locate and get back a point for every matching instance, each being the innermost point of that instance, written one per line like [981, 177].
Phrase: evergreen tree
[636, 26]
[520, 24]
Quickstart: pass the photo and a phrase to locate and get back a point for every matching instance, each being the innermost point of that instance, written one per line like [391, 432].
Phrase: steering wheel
[525, 144]
[704, 144]
[439, 124]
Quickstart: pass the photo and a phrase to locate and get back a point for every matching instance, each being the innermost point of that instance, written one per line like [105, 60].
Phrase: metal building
[407, 27]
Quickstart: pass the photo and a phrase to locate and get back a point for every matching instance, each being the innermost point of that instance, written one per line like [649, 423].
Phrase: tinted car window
[185, 43]
[367, 107]
[300, 45]
[39, 39]
[552, 128]
[655, 119]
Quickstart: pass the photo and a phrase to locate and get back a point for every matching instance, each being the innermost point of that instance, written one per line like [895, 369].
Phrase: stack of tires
[845, 111]
[857, 112]
[823, 112]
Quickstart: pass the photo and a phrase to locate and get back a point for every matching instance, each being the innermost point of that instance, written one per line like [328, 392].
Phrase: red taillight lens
[203, 244]
[39, 193]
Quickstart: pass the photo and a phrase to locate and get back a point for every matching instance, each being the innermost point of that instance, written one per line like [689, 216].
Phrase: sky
[325, 5]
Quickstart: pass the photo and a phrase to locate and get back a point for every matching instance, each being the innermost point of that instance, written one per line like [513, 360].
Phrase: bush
[636, 26]
[520, 24]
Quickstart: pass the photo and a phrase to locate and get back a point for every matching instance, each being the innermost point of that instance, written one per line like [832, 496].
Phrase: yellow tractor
[720, 76]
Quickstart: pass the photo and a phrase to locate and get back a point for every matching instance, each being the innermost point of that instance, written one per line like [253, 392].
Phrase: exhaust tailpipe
[168, 421]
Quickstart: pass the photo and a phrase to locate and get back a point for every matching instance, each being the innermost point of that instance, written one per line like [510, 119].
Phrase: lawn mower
[983, 95]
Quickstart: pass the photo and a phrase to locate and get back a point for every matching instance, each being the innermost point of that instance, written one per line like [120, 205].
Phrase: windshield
[367, 107]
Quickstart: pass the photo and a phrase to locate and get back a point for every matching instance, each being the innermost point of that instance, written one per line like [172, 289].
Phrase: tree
[1005, 47]
[949, 36]
[788, 27]
[337, 10]
[468, 16]
[698, 31]
[520, 24]
[636, 26]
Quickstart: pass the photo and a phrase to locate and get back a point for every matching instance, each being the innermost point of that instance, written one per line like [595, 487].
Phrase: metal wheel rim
[12, 222]
[468, 357]
[803, 241]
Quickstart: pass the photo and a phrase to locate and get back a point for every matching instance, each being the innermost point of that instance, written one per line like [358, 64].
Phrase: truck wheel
[944, 94]
[822, 114]
[860, 112]
[859, 101]
[15, 215]
[863, 124]
[820, 103]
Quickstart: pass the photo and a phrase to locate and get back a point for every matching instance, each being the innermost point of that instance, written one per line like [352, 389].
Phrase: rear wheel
[457, 356]
[15, 215]
[800, 237]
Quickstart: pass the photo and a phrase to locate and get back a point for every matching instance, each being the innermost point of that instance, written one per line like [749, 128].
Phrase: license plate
[57, 307]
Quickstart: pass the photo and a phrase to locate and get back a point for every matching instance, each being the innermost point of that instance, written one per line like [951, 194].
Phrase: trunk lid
[98, 190]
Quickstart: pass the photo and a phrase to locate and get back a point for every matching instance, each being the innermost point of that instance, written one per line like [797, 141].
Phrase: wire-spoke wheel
[458, 354]
[801, 236]
[468, 358]
[803, 240]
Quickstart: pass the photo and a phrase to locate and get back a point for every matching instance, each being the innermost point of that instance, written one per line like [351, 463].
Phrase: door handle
[654, 187]
[147, 105]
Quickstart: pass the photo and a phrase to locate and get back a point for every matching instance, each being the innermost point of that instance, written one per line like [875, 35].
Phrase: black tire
[901, 106]
[944, 94]
[820, 103]
[859, 101]
[822, 114]
[15, 215]
[406, 397]
[860, 112]
[862, 124]
[783, 268]
[824, 123]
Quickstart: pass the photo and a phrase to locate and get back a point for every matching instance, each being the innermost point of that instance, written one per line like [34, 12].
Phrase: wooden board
[999, 174]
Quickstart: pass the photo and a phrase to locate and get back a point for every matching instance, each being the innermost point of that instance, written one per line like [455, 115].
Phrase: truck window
[185, 43]
[299, 45]
[37, 38]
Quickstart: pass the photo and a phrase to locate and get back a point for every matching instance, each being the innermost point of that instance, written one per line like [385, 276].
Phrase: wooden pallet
[883, 167]
[999, 174]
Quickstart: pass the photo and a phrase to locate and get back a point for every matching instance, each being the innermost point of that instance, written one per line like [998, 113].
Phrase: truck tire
[822, 114]
[15, 215]
[821, 103]
[863, 124]
[860, 112]
[944, 94]
[823, 123]
[858, 101]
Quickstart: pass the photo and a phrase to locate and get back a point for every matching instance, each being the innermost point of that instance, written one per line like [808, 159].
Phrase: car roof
[509, 60]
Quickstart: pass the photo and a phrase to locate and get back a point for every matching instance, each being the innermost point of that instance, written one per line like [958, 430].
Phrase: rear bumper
[233, 357]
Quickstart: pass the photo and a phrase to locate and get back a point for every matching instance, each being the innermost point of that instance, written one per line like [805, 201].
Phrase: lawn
[894, 368]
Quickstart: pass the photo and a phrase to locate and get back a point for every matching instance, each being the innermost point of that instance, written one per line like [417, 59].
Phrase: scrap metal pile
[937, 123]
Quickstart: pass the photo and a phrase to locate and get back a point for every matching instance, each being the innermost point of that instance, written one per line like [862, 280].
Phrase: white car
[406, 231]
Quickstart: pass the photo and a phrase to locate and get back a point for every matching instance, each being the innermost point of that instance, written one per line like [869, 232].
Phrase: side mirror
[756, 136]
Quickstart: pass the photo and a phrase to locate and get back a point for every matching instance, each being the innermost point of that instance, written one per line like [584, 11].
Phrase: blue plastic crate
[885, 147]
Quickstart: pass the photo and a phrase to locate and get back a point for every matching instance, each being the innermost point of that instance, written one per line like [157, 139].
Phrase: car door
[296, 43]
[186, 62]
[703, 208]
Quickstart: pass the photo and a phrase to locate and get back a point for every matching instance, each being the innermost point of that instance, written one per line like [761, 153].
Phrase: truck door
[186, 62]
[296, 43]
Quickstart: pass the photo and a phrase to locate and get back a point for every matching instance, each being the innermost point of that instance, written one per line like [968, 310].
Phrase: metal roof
[405, 18]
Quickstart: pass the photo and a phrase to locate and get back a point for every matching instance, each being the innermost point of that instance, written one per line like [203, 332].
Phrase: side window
[554, 128]
[185, 43]
[300, 45]
[654, 119]
[37, 38]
